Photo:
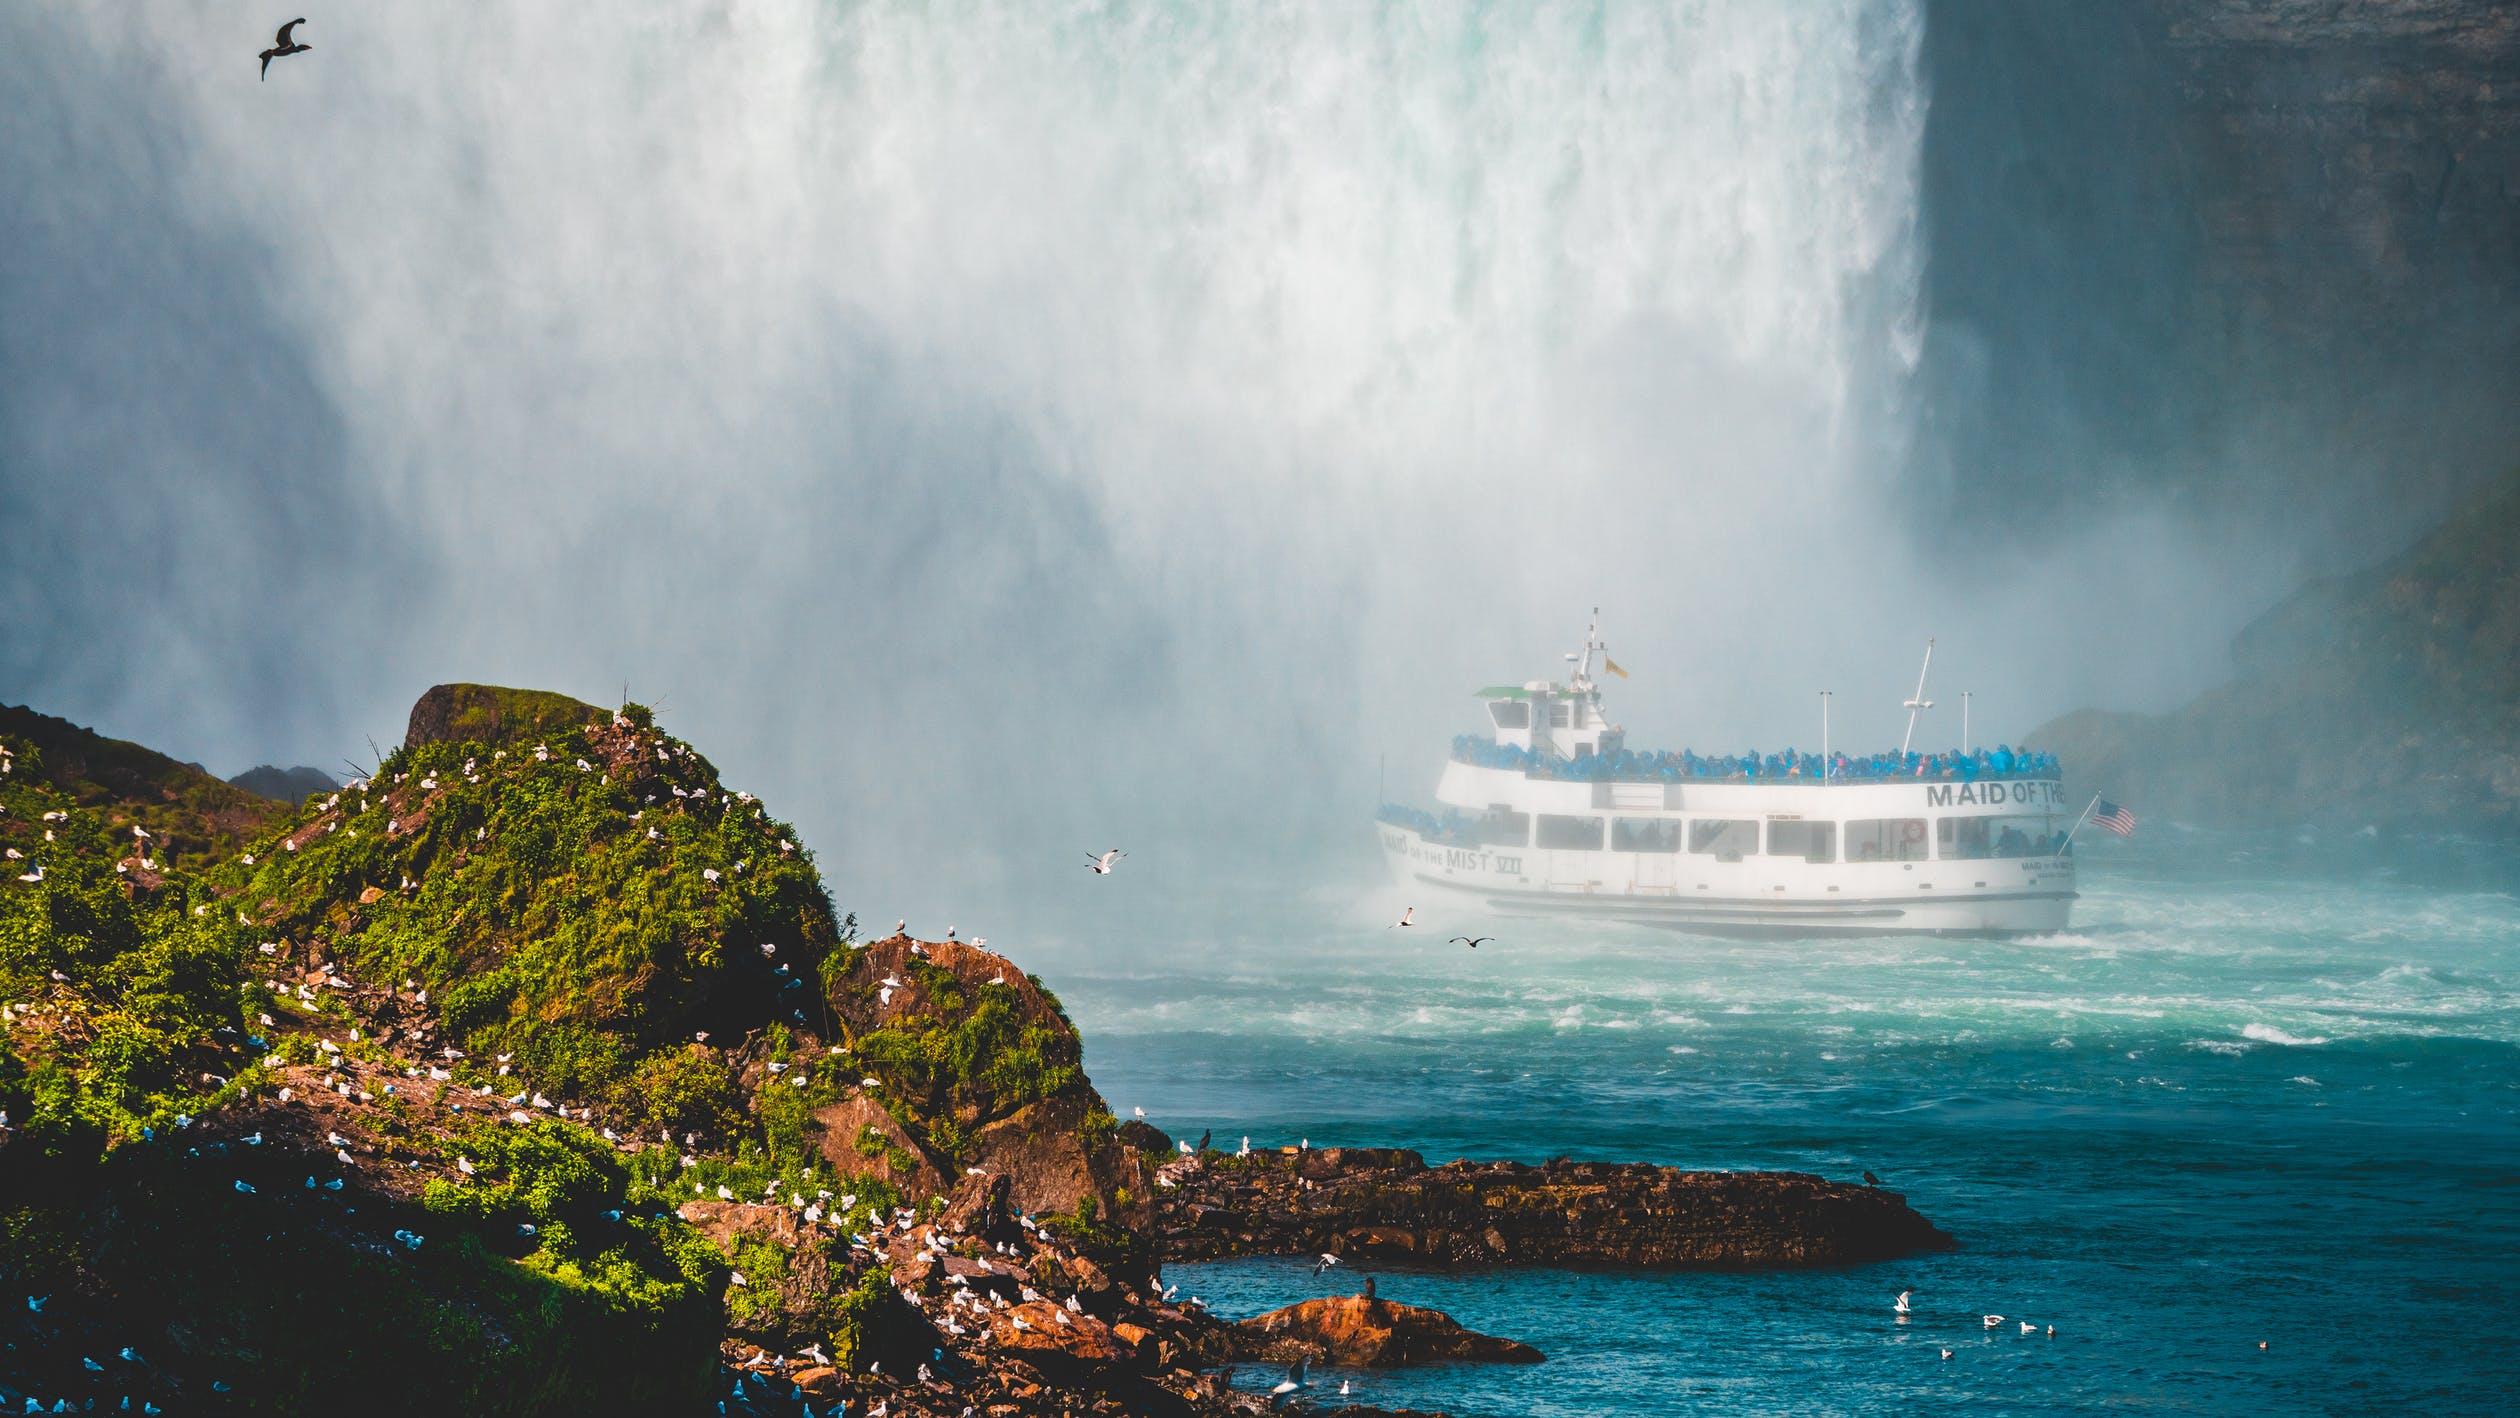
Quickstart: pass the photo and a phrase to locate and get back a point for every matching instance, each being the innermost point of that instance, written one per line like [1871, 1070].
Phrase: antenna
[1824, 738]
[1920, 702]
[1965, 745]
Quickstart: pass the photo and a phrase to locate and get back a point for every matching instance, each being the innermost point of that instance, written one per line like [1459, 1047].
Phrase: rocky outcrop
[1374, 1334]
[1386, 1204]
[980, 1068]
[489, 713]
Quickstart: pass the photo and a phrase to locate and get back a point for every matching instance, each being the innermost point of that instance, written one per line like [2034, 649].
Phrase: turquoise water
[2265, 1090]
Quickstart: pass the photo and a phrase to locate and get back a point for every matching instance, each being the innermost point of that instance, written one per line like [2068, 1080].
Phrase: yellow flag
[1613, 667]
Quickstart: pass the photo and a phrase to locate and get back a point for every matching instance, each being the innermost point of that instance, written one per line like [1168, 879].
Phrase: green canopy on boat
[1504, 691]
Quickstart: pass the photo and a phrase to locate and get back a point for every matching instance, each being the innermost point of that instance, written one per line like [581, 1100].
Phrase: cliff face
[2391, 695]
[2212, 253]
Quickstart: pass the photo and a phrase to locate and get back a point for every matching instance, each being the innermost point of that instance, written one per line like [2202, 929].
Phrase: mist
[1050, 427]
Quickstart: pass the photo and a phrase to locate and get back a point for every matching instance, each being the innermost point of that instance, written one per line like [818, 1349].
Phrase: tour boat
[1547, 812]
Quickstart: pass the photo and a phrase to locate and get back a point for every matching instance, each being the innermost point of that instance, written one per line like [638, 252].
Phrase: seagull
[1994, 1321]
[2028, 1328]
[1327, 1260]
[1101, 865]
[902, 926]
[1472, 941]
[1407, 918]
[1901, 1306]
[1138, 1113]
[1946, 1353]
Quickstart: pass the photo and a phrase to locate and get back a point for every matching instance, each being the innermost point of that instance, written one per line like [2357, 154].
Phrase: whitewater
[2267, 1089]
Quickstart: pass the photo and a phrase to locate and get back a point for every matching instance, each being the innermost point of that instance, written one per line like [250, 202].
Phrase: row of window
[1869, 839]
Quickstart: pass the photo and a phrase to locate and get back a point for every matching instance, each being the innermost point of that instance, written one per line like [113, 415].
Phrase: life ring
[1913, 832]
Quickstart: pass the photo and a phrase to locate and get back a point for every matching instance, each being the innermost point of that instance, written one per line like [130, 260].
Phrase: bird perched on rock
[1871, 1181]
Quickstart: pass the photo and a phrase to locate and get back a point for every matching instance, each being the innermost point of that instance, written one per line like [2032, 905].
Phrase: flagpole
[2078, 822]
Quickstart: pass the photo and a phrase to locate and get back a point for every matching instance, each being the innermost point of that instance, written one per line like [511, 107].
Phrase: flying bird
[1327, 1260]
[1900, 1307]
[1472, 941]
[1407, 918]
[1286, 1387]
[1101, 865]
[284, 47]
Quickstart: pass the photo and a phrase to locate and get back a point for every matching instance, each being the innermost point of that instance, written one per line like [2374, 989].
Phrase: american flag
[2117, 819]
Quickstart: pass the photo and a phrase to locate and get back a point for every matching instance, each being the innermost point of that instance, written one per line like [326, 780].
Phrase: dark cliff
[2388, 696]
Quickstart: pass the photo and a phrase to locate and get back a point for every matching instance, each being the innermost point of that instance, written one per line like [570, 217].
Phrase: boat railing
[1790, 767]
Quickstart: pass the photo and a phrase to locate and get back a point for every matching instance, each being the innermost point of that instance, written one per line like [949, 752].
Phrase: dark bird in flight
[1472, 941]
[1871, 1181]
[285, 46]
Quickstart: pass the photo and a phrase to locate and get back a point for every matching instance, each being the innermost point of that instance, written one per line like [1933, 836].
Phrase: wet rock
[1386, 1204]
[1374, 1334]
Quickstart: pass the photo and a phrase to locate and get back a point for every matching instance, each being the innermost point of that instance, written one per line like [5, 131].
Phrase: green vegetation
[191, 817]
[959, 1065]
[587, 901]
[117, 1000]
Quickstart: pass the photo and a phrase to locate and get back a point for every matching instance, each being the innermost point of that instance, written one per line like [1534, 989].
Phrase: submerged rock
[1375, 1334]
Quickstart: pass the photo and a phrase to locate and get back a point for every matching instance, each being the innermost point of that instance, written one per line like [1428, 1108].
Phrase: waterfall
[1191, 376]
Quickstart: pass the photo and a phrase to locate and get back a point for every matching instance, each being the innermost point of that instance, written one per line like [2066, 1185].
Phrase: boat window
[1510, 714]
[1728, 838]
[1886, 839]
[2017, 835]
[1577, 833]
[1644, 834]
[1557, 716]
[1811, 841]
[1503, 827]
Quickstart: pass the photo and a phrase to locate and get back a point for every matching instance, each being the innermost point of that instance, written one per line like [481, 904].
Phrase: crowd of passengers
[1625, 765]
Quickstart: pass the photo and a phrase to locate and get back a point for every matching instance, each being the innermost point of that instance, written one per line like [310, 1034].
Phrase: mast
[1920, 702]
[1824, 738]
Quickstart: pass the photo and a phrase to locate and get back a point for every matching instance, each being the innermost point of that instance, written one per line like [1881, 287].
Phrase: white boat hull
[1755, 896]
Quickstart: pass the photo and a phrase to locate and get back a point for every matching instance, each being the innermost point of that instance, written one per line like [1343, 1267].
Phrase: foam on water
[2113, 1120]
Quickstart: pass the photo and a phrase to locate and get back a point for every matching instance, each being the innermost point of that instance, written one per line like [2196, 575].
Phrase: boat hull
[1981, 897]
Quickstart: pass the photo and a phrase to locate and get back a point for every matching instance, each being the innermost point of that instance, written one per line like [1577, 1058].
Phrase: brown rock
[1377, 1334]
[449, 713]
[723, 1221]
[844, 1122]
[1042, 1152]
[1053, 1335]
[820, 1383]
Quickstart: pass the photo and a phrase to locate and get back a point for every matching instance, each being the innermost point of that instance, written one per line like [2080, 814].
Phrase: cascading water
[1134, 362]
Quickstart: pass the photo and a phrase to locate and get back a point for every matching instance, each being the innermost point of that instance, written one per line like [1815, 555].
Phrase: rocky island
[536, 1072]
